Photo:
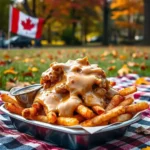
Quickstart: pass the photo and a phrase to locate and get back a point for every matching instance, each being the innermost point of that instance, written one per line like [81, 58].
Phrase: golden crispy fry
[121, 118]
[104, 123]
[134, 108]
[98, 120]
[128, 90]
[28, 113]
[67, 121]
[98, 109]
[85, 111]
[13, 108]
[37, 106]
[9, 99]
[52, 117]
[79, 117]
[41, 118]
[126, 102]
[115, 101]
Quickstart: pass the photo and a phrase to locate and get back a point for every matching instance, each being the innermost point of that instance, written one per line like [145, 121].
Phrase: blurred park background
[115, 34]
[86, 22]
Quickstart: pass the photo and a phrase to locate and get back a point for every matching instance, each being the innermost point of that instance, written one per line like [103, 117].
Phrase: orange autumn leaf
[112, 83]
[10, 71]
[105, 53]
[141, 81]
[111, 68]
[42, 61]
[143, 66]
[114, 53]
[27, 74]
[33, 69]
[122, 57]
[146, 148]
[27, 60]
[6, 56]
[124, 70]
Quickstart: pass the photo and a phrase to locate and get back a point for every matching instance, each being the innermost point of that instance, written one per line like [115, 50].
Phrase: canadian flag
[25, 25]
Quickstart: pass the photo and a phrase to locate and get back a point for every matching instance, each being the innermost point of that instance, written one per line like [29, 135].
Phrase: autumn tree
[126, 15]
[69, 13]
[4, 13]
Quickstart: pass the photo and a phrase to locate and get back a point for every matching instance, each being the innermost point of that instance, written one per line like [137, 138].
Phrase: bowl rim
[67, 129]
[14, 91]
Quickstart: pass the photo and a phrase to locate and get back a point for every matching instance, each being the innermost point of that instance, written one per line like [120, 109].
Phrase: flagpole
[9, 26]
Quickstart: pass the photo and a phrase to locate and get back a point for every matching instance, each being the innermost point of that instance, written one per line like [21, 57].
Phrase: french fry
[13, 108]
[52, 117]
[67, 121]
[121, 118]
[134, 108]
[79, 118]
[9, 99]
[28, 113]
[126, 102]
[98, 120]
[128, 90]
[37, 106]
[115, 101]
[104, 123]
[85, 111]
[41, 118]
[98, 109]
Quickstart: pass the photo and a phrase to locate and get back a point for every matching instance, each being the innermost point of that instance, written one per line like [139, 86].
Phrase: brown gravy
[66, 85]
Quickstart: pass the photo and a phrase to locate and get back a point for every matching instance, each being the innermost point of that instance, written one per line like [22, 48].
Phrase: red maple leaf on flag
[27, 24]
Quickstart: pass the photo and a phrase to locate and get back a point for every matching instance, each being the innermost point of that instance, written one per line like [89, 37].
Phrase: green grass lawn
[28, 64]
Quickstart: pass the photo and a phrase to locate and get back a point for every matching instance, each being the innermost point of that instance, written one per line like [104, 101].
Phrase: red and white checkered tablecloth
[10, 138]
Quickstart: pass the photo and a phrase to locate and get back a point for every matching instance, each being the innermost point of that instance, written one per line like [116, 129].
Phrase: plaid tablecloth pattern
[10, 138]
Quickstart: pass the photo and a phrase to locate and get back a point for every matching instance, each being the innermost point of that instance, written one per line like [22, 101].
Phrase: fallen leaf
[33, 69]
[50, 57]
[111, 68]
[146, 148]
[114, 53]
[143, 66]
[112, 83]
[6, 56]
[142, 130]
[106, 53]
[10, 71]
[123, 57]
[2, 63]
[132, 64]
[27, 60]
[17, 58]
[142, 81]
[27, 74]
[112, 61]
[42, 61]
[124, 70]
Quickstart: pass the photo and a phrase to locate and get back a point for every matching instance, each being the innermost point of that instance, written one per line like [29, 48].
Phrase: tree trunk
[106, 14]
[34, 7]
[146, 22]
[49, 32]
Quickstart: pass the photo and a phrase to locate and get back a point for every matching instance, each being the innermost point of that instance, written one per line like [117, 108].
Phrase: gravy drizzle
[66, 85]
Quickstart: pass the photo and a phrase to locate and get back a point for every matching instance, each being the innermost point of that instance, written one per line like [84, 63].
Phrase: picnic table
[10, 138]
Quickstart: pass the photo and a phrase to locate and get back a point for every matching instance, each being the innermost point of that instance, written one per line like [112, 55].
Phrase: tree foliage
[68, 13]
[127, 14]
[4, 11]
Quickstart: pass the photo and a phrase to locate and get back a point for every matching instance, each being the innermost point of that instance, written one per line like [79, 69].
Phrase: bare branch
[27, 8]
